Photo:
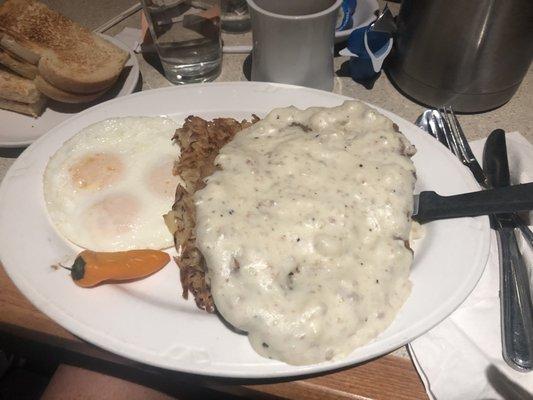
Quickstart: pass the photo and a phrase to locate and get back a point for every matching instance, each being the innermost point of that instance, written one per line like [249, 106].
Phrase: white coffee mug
[293, 41]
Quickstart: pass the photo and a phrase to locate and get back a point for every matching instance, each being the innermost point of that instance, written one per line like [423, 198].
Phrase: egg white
[116, 200]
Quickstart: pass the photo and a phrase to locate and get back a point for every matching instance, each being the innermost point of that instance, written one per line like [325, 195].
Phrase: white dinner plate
[147, 320]
[18, 130]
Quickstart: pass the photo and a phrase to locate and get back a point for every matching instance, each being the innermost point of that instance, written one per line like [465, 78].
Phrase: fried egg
[107, 188]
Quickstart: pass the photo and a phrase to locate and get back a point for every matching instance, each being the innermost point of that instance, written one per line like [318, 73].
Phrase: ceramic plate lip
[128, 88]
[107, 342]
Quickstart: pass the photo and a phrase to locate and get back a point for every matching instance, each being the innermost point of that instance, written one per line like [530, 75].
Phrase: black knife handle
[515, 303]
[516, 198]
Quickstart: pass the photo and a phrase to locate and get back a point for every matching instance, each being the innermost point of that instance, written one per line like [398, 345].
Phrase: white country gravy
[304, 227]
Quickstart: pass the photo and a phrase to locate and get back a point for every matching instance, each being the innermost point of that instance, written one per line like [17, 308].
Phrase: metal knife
[515, 296]
[429, 206]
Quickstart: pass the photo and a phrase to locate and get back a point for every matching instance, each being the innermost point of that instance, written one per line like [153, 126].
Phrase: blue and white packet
[345, 20]
[368, 47]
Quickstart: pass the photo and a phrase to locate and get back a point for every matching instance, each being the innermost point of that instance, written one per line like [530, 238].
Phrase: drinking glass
[186, 34]
[235, 16]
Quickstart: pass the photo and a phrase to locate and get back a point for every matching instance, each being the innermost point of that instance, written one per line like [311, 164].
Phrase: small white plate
[147, 320]
[365, 14]
[18, 130]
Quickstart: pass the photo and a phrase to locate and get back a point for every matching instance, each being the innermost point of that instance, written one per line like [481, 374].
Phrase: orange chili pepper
[91, 268]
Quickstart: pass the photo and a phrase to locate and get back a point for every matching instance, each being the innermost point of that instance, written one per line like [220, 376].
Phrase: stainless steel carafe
[470, 54]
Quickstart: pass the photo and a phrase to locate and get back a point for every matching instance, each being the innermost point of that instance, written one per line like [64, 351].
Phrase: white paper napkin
[461, 357]
[130, 37]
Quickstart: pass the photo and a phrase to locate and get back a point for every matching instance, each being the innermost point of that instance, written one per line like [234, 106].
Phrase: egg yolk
[161, 181]
[114, 215]
[95, 171]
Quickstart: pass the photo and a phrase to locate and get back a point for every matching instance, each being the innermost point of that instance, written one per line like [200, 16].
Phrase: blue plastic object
[346, 12]
[368, 58]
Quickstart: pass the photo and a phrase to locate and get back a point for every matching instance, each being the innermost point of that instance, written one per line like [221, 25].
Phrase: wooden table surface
[388, 377]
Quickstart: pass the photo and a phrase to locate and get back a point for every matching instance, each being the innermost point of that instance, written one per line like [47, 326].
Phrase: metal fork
[461, 147]
[467, 158]
[515, 325]
[443, 125]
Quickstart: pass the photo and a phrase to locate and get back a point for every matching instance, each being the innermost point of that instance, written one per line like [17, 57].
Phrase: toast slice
[15, 64]
[33, 109]
[200, 142]
[17, 88]
[63, 96]
[68, 56]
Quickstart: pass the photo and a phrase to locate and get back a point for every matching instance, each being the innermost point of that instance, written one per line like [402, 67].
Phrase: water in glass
[187, 37]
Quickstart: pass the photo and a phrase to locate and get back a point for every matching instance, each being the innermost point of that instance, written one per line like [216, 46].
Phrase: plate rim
[79, 328]
[135, 71]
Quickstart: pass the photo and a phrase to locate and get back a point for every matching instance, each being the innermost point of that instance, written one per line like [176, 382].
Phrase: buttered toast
[68, 56]
[20, 94]
[18, 65]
